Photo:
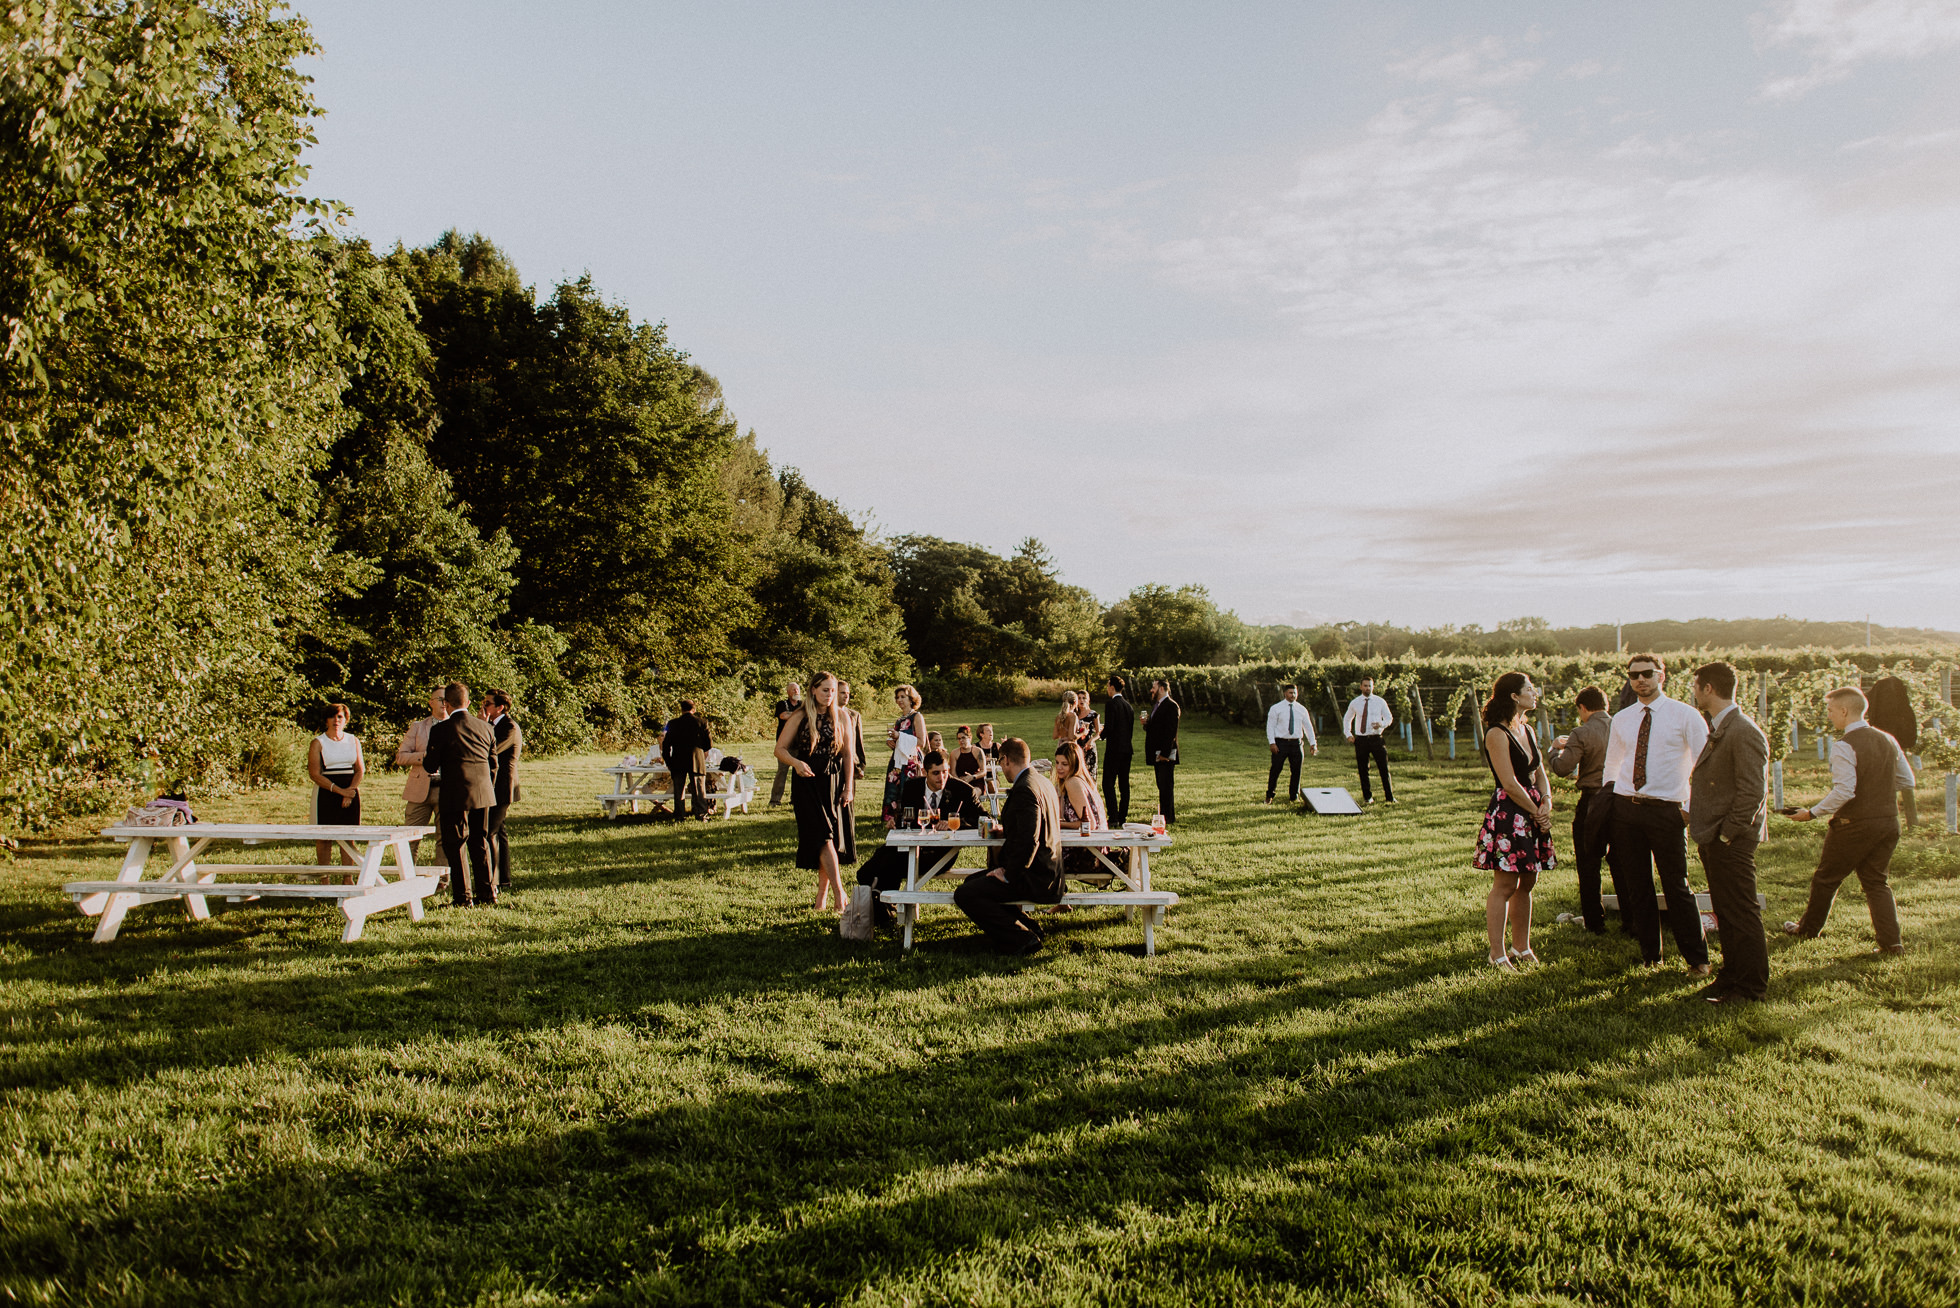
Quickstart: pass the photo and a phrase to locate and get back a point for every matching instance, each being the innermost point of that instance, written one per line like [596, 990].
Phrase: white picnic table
[190, 881]
[635, 784]
[943, 847]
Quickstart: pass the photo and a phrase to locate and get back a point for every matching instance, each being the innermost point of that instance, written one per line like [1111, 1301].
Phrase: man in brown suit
[459, 753]
[1027, 867]
[1726, 818]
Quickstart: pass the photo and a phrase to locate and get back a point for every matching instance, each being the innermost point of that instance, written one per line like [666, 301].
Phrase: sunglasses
[1643, 674]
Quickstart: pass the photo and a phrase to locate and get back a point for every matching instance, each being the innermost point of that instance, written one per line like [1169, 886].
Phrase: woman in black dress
[1515, 843]
[816, 745]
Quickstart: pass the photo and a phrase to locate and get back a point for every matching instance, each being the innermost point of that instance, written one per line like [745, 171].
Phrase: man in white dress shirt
[1367, 717]
[1649, 756]
[1287, 724]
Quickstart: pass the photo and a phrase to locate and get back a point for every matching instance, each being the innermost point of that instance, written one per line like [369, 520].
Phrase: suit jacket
[1584, 756]
[416, 790]
[1726, 789]
[686, 744]
[1119, 728]
[1031, 822]
[509, 750]
[958, 798]
[1160, 732]
[459, 748]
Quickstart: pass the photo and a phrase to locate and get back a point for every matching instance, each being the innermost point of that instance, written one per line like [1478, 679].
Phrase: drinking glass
[909, 817]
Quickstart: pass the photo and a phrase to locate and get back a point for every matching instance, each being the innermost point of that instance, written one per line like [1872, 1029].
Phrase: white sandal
[1502, 964]
[1523, 956]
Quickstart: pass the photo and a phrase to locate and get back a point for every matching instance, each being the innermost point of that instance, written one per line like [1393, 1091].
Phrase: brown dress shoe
[1701, 969]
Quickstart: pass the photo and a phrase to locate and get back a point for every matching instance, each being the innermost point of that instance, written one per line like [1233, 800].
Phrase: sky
[1415, 312]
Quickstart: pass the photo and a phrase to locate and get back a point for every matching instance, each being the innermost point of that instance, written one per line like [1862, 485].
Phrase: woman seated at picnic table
[334, 762]
[969, 760]
[1080, 803]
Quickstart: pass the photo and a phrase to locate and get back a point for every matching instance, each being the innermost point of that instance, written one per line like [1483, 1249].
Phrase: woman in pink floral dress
[1515, 844]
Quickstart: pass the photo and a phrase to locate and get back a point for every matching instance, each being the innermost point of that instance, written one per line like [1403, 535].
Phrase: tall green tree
[168, 386]
[967, 609]
[596, 446]
[1155, 626]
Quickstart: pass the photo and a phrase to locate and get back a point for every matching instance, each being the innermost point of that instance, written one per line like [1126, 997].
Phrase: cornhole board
[1329, 799]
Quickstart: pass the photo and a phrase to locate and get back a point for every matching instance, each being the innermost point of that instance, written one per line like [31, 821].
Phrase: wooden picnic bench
[943, 847]
[191, 882]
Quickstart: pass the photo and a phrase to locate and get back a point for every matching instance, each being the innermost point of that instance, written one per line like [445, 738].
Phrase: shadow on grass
[806, 1188]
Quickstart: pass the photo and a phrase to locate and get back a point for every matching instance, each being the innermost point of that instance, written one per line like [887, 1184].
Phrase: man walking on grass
[1868, 769]
[1119, 732]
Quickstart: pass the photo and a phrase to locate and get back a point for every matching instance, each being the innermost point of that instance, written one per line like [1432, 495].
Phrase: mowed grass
[654, 1076]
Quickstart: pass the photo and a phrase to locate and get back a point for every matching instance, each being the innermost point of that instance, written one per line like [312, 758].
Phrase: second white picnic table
[189, 881]
[943, 847]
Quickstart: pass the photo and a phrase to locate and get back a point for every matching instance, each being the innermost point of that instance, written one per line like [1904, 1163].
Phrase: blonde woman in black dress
[817, 745]
[1515, 842]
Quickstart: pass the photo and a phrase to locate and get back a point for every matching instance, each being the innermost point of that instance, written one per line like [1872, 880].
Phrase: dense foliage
[246, 466]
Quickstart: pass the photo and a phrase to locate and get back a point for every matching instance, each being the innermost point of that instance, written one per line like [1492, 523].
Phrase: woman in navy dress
[1515, 843]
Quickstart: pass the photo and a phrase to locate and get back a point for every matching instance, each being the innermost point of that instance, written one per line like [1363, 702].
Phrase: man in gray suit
[1726, 817]
[459, 753]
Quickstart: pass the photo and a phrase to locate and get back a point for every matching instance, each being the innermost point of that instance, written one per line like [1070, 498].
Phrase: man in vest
[1867, 771]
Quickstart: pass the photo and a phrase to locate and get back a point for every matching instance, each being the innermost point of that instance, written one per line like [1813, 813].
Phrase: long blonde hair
[837, 718]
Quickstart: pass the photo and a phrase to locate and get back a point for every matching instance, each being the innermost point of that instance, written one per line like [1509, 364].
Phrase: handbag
[856, 924]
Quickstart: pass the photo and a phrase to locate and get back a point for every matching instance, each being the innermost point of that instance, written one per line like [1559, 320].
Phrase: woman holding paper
[907, 738]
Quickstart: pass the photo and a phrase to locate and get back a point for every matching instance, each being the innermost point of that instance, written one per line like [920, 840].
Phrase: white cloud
[1468, 64]
[1839, 35]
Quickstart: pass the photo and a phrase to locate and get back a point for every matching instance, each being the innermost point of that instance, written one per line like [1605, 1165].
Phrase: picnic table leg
[355, 907]
[405, 871]
[184, 860]
[1153, 917]
[911, 911]
[112, 907]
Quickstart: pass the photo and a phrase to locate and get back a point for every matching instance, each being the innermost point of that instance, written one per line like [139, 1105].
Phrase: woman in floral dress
[1515, 843]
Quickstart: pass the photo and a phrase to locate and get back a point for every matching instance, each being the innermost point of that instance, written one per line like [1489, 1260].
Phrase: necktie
[1361, 719]
[1640, 750]
[1291, 729]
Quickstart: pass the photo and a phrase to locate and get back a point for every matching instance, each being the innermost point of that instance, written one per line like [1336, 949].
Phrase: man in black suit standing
[1727, 815]
[1028, 867]
[1118, 726]
[459, 751]
[504, 760]
[1160, 743]
[685, 750]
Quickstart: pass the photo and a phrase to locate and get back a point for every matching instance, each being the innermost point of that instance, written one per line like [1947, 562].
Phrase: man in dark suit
[504, 760]
[685, 750]
[1726, 817]
[1118, 728]
[936, 792]
[458, 751]
[1028, 867]
[1160, 744]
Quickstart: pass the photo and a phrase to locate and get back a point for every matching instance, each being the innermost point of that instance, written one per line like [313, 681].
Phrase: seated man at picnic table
[1028, 867]
[938, 794]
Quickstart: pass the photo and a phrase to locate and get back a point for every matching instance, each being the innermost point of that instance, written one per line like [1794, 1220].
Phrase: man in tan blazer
[419, 793]
[1726, 818]
[459, 753]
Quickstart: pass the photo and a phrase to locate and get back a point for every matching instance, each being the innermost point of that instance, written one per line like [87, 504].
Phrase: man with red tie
[1649, 756]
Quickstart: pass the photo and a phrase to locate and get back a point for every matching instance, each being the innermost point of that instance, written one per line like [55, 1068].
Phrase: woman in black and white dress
[334, 762]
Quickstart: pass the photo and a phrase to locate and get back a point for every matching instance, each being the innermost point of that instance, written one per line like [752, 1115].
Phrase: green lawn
[655, 1076]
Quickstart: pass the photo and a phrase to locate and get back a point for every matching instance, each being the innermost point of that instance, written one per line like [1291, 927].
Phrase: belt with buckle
[1649, 799]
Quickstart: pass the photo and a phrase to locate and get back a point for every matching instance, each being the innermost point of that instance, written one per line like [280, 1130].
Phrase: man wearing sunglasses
[1649, 755]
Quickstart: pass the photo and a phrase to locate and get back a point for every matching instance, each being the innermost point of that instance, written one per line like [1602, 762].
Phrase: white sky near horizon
[1415, 312]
